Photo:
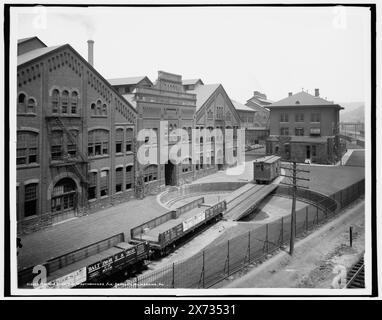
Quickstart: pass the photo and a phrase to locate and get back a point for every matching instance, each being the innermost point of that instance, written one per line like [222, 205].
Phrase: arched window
[93, 109]
[31, 105]
[74, 103]
[64, 101]
[150, 173]
[98, 142]
[99, 108]
[118, 179]
[104, 109]
[27, 148]
[54, 100]
[129, 176]
[21, 103]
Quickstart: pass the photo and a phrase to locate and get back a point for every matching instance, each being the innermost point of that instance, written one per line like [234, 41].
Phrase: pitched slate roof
[203, 93]
[240, 106]
[30, 38]
[126, 81]
[301, 98]
[30, 55]
[130, 97]
[191, 81]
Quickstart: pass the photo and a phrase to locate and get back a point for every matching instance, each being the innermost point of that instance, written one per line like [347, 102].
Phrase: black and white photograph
[190, 149]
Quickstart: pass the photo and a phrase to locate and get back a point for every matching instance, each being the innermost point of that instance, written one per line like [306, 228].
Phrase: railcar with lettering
[123, 256]
[166, 232]
[266, 169]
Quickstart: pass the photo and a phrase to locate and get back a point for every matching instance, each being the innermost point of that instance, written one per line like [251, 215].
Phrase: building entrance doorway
[170, 174]
[64, 197]
[307, 152]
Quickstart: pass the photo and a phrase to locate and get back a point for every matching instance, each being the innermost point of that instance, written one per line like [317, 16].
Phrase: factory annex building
[305, 127]
[183, 104]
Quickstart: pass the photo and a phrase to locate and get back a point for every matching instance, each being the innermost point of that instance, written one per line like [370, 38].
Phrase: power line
[293, 175]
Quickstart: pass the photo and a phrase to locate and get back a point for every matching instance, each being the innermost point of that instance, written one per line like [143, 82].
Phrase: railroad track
[356, 276]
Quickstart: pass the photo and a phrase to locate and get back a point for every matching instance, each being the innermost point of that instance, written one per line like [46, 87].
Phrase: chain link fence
[212, 265]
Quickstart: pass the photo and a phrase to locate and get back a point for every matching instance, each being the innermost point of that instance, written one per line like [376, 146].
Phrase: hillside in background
[353, 112]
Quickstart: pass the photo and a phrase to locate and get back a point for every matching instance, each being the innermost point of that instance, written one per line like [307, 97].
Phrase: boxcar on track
[266, 169]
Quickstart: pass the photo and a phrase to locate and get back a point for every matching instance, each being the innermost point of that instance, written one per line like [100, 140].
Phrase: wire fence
[214, 264]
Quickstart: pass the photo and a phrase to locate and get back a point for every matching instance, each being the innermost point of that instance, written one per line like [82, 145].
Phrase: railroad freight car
[91, 271]
[164, 233]
[266, 169]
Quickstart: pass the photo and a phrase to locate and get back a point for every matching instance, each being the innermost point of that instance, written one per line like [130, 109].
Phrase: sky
[274, 50]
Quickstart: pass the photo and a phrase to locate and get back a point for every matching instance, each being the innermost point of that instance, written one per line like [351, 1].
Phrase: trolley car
[266, 169]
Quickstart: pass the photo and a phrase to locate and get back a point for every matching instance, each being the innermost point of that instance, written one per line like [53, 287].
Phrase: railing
[214, 264]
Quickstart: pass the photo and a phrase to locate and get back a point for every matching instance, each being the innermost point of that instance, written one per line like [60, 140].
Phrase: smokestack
[91, 52]
[290, 94]
[316, 92]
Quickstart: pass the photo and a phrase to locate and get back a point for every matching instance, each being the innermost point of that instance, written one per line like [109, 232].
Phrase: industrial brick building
[255, 133]
[305, 127]
[184, 104]
[75, 136]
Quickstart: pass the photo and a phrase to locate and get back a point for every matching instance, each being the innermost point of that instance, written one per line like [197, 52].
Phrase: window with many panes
[74, 103]
[104, 183]
[129, 139]
[27, 148]
[299, 117]
[21, 102]
[64, 102]
[299, 131]
[72, 143]
[284, 131]
[186, 165]
[56, 146]
[118, 179]
[284, 117]
[118, 140]
[315, 117]
[30, 200]
[55, 100]
[150, 173]
[98, 142]
[92, 187]
[129, 177]
[31, 108]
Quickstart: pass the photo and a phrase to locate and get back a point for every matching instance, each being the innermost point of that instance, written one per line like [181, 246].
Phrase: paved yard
[356, 159]
[71, 235]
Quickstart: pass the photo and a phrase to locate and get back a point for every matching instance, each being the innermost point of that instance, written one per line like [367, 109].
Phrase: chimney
[290, 94]
[91, 52]
[316, 92]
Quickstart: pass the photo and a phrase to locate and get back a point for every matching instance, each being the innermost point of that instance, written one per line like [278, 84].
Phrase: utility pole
[295, 178]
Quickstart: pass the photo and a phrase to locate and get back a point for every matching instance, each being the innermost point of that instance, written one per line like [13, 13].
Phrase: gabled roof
[191, 81]
[128, 80]
[241, 107]
[28, 39]
[31, 55]
[41, 52]
[303, 99]
[203, 93]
